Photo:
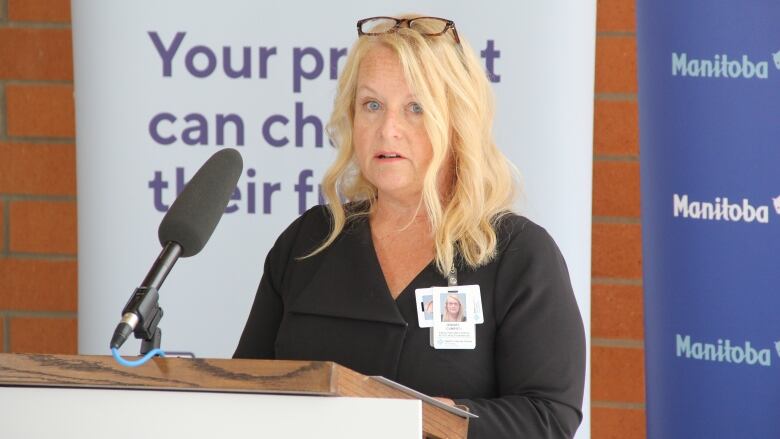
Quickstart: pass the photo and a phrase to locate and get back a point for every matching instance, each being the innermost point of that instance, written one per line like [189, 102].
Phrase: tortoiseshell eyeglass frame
[399, 22]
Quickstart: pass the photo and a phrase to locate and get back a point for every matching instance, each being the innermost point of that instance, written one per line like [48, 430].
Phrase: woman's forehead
[380, 67]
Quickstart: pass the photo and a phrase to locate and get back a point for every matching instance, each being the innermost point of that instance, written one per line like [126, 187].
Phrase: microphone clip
[141, 315]
[144, 304]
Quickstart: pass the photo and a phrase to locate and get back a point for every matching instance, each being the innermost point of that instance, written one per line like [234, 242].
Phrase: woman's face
[453, 306]
[392, 147]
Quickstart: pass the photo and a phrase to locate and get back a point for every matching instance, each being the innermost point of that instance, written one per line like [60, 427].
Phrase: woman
[453, 310]
[428, 198]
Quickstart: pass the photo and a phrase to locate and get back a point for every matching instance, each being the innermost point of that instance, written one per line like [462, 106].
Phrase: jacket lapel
[349, 282]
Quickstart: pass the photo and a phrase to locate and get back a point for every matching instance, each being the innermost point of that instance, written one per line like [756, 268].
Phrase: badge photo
[454, 307]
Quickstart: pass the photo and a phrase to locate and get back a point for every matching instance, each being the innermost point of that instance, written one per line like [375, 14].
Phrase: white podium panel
[98, 413]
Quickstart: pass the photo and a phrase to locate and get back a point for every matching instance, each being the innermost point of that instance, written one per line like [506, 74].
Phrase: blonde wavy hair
[457, 100]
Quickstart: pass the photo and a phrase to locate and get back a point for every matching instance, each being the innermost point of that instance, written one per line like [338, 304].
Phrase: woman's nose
[392, 125]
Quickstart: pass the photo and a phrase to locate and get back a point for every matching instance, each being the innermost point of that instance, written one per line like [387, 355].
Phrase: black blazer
[524, 379]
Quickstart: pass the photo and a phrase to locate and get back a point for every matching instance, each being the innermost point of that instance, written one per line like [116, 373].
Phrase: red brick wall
[618, 390]
[38, 202]
[37, 178]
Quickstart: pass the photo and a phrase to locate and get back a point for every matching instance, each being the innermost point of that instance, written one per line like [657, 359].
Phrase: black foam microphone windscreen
[196, 211]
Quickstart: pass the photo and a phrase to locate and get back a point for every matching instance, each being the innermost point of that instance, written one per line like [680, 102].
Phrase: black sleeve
[540, 345]
[259, 335]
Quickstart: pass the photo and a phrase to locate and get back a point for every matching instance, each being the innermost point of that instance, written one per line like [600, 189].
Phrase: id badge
[424, 300]
[425, 304]
[453, 319]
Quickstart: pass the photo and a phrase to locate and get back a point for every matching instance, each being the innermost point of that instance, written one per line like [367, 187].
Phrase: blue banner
[709, 110]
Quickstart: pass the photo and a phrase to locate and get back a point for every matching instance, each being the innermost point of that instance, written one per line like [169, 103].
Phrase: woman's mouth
[389, 155]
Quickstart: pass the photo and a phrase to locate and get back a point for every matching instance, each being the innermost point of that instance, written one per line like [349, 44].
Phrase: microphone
[183, 232]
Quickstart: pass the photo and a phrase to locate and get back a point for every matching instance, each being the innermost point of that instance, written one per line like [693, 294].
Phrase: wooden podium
[195, 395]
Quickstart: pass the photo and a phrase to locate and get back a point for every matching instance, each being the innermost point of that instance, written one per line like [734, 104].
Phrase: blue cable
[136, 363]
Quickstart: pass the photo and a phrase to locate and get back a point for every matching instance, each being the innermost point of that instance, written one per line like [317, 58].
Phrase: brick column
[618, 392]
[38, 289]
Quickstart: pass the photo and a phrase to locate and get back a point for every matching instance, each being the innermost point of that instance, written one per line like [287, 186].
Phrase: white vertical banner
[161, 86]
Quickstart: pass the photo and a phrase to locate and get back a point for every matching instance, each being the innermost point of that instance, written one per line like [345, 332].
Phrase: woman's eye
[372, 105]
[415, 108]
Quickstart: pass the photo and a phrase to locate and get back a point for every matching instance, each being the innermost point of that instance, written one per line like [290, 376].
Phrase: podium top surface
[214, 375]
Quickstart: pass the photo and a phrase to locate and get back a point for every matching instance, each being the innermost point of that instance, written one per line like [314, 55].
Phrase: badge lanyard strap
[452, 277]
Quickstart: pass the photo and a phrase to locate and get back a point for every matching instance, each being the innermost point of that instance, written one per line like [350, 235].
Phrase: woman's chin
[400, 190]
